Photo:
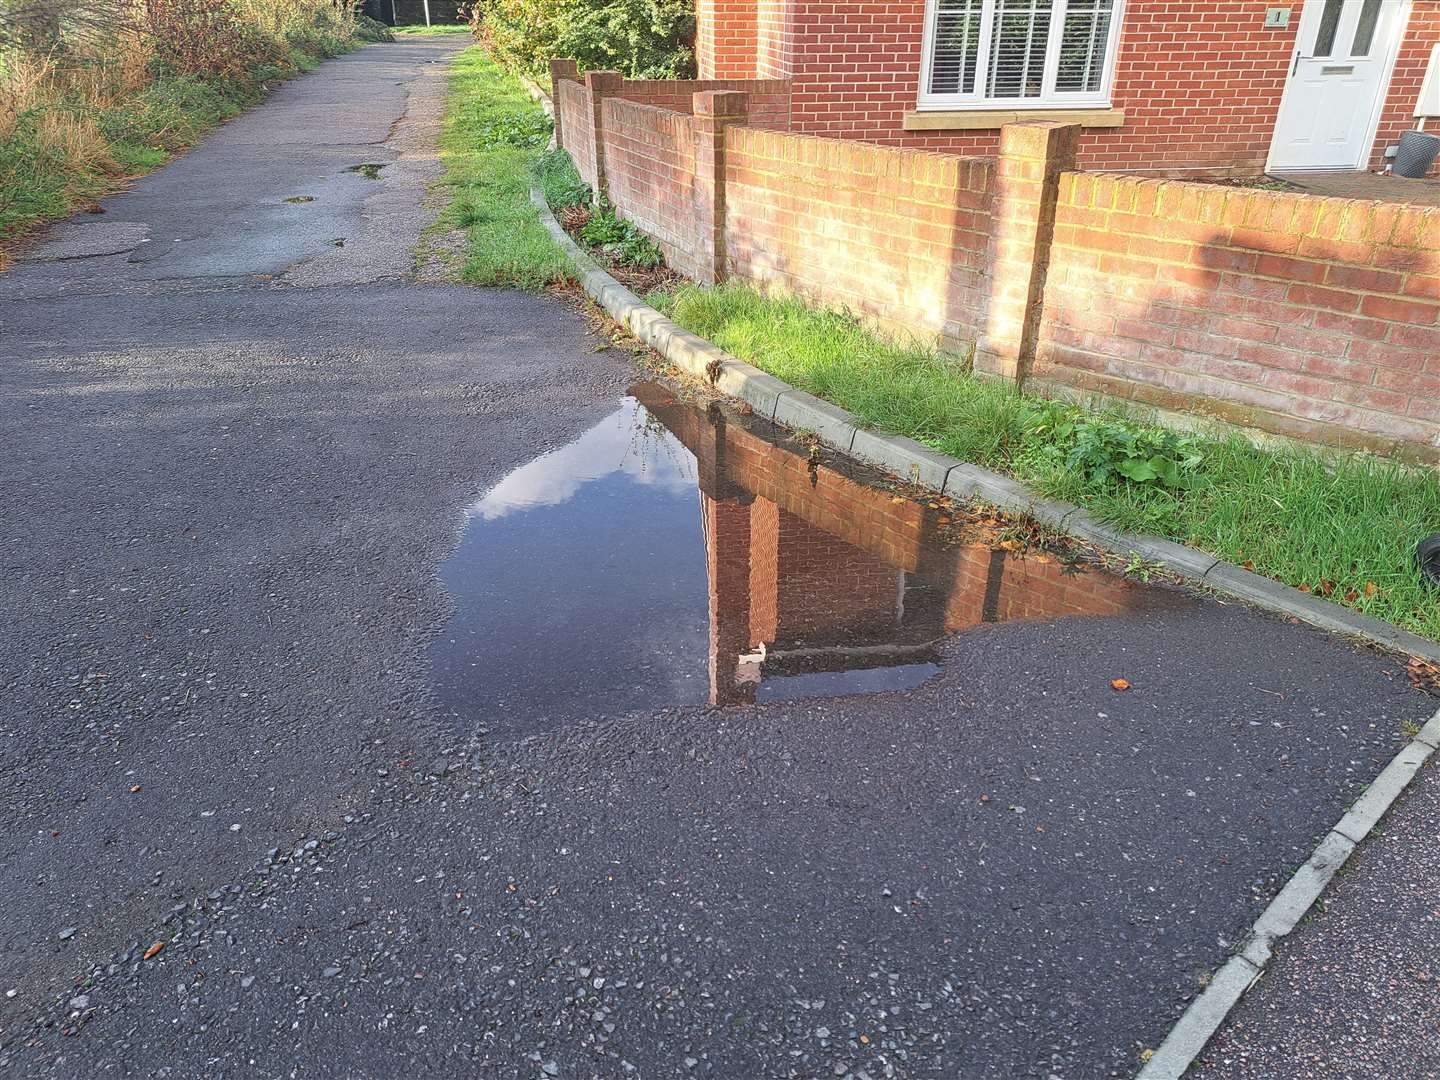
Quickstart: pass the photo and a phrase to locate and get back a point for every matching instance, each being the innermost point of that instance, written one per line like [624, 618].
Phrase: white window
[1018, 53]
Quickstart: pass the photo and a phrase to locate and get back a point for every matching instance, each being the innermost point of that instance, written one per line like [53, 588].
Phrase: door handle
[1296, 66]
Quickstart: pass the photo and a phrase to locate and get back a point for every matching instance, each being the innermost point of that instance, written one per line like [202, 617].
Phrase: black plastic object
[1416, 154]
[1427, 558]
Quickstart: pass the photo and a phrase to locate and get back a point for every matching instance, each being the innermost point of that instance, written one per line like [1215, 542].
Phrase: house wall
[725, 39]
[1398, 115]
[1199, 81]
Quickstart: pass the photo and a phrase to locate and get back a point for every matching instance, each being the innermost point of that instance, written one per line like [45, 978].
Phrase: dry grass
[93, 92]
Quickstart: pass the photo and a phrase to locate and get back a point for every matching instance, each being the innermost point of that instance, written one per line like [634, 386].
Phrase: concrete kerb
[784, 404]
[1206, 1013]
[778, 400]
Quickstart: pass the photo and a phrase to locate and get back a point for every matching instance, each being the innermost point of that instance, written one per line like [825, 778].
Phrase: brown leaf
[1327, 586]
[134, 789]
[154, 950]
[1303, 588]
[1119, 684]
[984, 798]
[1248, 564]
[1351, 596]
[1371, 588]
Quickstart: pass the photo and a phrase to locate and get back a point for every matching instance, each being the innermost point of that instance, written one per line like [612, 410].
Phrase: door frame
[1392, 55]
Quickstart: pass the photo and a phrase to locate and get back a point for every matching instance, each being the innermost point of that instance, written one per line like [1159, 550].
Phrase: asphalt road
[1353, 992]
[234, 458]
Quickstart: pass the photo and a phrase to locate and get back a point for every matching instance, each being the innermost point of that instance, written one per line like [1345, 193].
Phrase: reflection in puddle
[667, 557]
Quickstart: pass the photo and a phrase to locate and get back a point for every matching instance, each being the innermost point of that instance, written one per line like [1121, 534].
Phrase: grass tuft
[1339, 525]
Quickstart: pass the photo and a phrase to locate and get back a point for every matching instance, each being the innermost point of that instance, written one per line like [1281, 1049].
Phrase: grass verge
[494, 134]
[1340, 525]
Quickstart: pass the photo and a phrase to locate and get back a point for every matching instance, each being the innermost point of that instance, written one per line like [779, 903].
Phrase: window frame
[1049, 98]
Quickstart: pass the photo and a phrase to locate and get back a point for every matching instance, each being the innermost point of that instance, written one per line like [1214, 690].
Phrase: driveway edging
[779, 401]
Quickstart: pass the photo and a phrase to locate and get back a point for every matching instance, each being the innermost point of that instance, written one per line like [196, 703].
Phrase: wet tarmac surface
[674, 555]
[253, 824]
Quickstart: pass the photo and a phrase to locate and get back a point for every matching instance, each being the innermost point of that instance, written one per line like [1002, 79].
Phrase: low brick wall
[650, 166]
[1309, 317]
[1300, 315]
[899, 235]
[575, 117]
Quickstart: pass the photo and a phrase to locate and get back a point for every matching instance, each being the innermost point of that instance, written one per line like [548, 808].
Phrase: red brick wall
[577, 127]
[1030, 586]
[896, 234]
[650, 167]
[1398, 115]
[775, 39]
[1200, 80]
[1301, 315]
[829, 590]
[725, 39]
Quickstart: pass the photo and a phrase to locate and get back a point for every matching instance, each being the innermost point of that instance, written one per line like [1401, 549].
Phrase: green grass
[494, 132]
[434, 28]
[1306, 517]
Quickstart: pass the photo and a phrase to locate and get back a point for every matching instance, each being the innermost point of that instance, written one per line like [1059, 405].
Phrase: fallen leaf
[1327, 586]
[864, 1040]
[134, 789]
[984, 798]
[1248, 564]
[1371, 588]
[1119, 684]
[1351, 596]
[154, 950]
[1304, 588]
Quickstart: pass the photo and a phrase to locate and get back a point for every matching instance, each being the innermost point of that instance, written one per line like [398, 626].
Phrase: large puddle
[669, 557]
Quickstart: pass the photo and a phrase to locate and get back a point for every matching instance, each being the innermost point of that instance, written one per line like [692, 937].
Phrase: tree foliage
[642, 39]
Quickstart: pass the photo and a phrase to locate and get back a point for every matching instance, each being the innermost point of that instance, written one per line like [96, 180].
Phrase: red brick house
[1160, 86]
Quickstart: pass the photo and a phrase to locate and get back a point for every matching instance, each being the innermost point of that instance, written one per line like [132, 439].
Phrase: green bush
[642, 39]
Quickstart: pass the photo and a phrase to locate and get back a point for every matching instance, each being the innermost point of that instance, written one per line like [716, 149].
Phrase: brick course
[1300, 315]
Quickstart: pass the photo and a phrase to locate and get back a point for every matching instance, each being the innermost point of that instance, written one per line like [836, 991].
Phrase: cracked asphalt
[235, 455]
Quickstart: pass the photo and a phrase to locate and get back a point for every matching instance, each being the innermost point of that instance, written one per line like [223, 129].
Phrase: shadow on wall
[1306, 317]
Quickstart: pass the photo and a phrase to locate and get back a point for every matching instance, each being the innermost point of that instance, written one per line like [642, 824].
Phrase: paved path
[235, 456]
[1352, 184]
[1355, 991]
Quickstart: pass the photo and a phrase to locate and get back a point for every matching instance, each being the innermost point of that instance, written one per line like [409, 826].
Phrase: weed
[369, 170]
[621, 241]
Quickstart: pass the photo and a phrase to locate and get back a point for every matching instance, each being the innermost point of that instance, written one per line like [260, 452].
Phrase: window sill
[982, 119]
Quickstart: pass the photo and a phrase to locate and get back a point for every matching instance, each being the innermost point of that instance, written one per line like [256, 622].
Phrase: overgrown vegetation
[643, 39]
[95, 91]
[1343, 526]
[492, 131]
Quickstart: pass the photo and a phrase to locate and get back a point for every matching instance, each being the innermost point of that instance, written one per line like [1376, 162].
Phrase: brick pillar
[714, 111]
[1033, 154]
[727, 557]
[601, 84]
[560, 71]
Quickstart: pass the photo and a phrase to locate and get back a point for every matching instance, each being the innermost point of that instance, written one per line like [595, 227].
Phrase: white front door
[1343, 54]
